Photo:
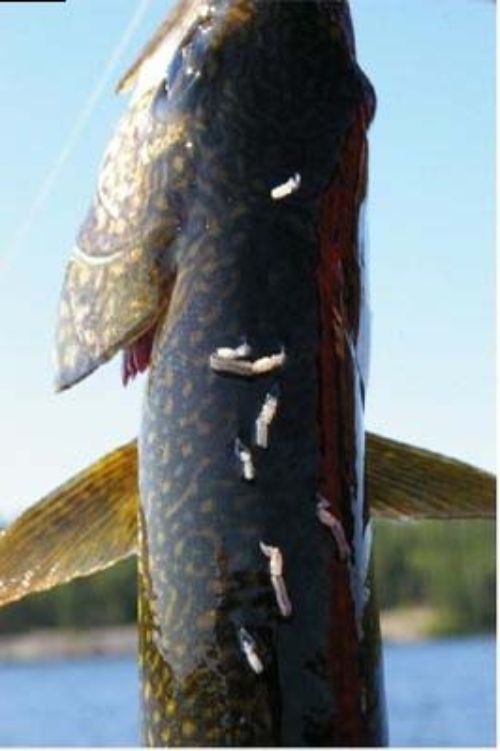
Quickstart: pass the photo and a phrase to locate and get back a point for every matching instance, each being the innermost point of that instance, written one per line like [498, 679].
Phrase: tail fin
[405, 482]
[87, 524]
[90, 522]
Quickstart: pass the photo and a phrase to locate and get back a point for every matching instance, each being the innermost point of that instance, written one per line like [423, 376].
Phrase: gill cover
[90, 522]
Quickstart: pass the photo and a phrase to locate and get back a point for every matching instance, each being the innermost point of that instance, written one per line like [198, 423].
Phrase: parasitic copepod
[226, 211]
[277, 579]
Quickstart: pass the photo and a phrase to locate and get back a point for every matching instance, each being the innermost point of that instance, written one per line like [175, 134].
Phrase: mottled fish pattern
[226, 219]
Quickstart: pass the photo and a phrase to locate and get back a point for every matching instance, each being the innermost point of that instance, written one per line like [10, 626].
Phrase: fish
[223, 253]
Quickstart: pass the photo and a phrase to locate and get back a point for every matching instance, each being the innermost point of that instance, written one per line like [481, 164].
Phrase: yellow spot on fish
[83, 274]
[158, 692]
[171, 708]
[178, 164]
[120, 227]
[188, 728]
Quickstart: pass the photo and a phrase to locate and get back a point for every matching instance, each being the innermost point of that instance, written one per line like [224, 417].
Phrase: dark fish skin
[188, 236]
[267, 91]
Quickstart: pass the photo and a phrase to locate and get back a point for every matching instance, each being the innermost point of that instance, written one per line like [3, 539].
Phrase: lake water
[440, 693]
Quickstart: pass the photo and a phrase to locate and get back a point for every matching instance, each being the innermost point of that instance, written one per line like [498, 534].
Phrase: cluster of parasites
[237, 361]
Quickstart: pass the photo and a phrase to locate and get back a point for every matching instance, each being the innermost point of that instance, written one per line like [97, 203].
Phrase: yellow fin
[408, 482]
[90, 522]
[85, 525]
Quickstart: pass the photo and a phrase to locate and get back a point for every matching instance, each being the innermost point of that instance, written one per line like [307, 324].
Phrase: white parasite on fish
[244, 454]
[249, 648]
[225, 360]
[264, 420]
[327, 518]
[275, 557]
[287, 188]
[236, 353]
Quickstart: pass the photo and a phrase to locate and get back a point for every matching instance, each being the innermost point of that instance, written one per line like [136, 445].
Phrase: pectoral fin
[87, 524]
[408, 482]
[120, 274]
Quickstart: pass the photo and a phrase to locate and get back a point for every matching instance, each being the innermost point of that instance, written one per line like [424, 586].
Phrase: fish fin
[170, 27]
[90, 522]
[405, 482]
[85, 525]
[120, 276]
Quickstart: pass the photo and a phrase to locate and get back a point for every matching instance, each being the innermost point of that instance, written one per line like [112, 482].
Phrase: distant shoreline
[401, 625]
[55, 643]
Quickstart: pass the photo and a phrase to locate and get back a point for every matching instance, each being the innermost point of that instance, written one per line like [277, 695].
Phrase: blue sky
[431, 226]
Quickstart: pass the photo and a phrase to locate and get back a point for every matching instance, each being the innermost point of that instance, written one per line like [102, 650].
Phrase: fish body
[224, 251]
[225, 233]
[276, 94]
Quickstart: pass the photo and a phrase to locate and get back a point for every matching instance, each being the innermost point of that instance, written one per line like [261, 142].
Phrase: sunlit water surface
[440, 693]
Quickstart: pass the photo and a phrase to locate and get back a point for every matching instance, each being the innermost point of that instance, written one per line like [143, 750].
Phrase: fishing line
[83, 118]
